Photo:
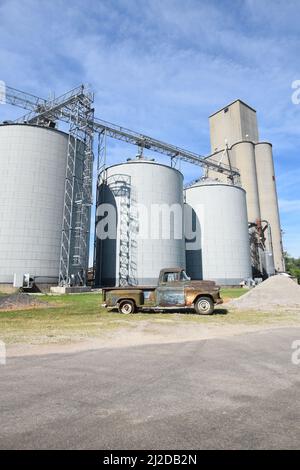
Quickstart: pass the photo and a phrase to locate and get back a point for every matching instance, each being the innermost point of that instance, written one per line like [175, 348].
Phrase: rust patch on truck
[190, 296]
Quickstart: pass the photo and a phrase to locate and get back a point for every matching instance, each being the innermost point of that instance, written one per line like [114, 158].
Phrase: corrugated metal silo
[32, 188]
[139, 251]
[219, 215]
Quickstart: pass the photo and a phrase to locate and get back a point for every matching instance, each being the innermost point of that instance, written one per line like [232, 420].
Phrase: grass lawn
[68, 318]
[233, 293]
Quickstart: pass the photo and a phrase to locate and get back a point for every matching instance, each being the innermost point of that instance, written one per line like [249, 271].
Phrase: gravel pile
[19, 301]
[277, 292]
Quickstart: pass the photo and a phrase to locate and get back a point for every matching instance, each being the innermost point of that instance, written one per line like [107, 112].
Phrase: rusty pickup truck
[174, 290]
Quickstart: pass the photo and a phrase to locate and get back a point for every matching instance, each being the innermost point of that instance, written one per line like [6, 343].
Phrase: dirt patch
[277, 292]
[20, 301]
[143, 334]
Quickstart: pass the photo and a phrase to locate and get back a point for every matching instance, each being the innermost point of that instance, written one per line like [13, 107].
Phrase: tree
[292, 266]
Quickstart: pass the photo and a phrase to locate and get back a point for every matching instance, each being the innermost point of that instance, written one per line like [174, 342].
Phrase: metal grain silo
[268, 201]
[32, 188]
[218, 215]
[148, 199]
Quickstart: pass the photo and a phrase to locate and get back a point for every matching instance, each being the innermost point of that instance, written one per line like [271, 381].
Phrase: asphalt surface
[240, 393]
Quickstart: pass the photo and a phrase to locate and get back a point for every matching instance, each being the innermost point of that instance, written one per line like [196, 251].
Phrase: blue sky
[162, 67]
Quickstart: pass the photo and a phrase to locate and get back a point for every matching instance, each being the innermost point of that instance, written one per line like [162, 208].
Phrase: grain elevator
[46, 191]
[235, 140]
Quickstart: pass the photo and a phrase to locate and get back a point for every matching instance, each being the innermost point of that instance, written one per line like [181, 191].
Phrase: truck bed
[125, 288]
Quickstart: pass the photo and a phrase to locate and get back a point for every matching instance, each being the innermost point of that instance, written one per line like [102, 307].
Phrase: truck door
[170, 292]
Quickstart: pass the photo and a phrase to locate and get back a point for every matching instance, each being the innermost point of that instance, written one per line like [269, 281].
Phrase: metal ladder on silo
[124, 247]
[68, 212]
[133, 244]
[78, 195]
[83, 204]
[121, 187]
[124, 242]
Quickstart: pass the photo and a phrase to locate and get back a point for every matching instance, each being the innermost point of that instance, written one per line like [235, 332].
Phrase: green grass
[76, 315]
[69, 318]
[233, 293]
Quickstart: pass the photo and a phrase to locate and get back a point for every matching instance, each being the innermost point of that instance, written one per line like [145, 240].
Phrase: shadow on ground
[217, 311]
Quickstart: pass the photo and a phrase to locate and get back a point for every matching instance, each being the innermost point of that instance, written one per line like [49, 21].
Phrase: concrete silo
[240, 155]
[148, 199]
[32, 188]
[268, 201]
[243, 158]
[218, 215]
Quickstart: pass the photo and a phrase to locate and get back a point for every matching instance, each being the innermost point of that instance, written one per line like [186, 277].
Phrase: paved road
[241, 392]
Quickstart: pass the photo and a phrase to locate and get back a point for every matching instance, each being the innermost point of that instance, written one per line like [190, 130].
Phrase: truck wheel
[127, 306]
[204, 306]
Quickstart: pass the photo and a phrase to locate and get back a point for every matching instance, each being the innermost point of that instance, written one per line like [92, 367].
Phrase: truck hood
[203, 284]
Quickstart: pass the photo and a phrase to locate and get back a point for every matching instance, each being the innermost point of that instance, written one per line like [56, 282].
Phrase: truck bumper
[219, 301]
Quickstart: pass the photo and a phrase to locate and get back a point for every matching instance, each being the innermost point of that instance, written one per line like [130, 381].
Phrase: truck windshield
[170, 277]
[175, 276]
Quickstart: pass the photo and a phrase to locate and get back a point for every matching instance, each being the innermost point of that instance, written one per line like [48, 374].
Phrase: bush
[292, 266]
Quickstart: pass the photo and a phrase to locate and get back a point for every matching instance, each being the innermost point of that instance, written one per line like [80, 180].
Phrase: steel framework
[24, 100]
[59, 109]
[78, 195]
[75, 109]
[172, 151]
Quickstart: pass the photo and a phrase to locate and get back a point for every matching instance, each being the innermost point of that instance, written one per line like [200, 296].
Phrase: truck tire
[126, 307]
[204, 306]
